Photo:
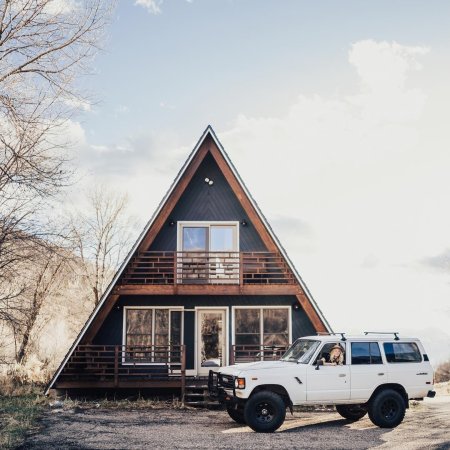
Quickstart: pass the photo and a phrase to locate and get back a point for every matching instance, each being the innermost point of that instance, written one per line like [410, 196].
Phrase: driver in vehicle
[335, 357]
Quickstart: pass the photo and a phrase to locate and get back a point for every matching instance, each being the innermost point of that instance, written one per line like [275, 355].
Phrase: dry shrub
[442, 372]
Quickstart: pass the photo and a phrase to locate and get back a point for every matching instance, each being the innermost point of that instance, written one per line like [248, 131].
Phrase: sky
[336, 116]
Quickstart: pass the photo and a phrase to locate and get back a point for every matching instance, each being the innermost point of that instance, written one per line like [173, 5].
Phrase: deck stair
[196, 394]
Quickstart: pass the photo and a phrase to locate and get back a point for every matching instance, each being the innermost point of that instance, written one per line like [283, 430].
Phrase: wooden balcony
[194, 270]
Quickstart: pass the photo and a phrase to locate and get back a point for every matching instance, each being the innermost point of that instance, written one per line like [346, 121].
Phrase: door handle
[342, 375]
[381, 374]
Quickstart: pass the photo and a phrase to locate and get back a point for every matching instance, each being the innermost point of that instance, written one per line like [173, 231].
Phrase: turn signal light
[239, 383]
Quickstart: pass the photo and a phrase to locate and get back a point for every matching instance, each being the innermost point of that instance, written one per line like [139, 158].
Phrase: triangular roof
[165, 207]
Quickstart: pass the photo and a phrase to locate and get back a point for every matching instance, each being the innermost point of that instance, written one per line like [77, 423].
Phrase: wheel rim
[389, 409]
[264, 412]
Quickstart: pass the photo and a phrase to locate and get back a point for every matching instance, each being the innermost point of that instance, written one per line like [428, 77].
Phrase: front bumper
[219, 389]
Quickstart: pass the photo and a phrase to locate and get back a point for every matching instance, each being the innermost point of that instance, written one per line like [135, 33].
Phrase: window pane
[360, 353]
[247, 321]
[402, 352]
[162, 324]
[139, 339]
[195, 239]
[275, 321]
[222, 238]
[375, 353]
[175, 327]
[247, 339]
[139, 321]
[277, 340]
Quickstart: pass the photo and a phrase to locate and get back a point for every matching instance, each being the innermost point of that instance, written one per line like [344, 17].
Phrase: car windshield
[301, 351]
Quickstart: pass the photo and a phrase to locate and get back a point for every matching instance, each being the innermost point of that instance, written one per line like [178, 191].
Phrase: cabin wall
[111, 331]
[209, 203]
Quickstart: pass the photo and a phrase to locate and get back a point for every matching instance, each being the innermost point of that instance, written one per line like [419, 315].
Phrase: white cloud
[152, 6]
[360, 170]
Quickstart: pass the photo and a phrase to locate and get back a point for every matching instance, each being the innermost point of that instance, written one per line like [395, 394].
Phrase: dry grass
[19, 410]
[127, 403]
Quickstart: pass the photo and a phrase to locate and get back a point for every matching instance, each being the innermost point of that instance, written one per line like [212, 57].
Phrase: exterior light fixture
[296, 305]
[209, 181]
[244, 223]
[171, 223]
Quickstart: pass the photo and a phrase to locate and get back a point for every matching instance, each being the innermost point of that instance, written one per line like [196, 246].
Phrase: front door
[211, 339]
[330, 381]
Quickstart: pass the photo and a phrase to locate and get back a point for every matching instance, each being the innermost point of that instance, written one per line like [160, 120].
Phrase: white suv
[375, 373]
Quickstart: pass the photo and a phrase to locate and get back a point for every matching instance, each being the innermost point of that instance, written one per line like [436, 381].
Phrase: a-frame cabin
[207, 284]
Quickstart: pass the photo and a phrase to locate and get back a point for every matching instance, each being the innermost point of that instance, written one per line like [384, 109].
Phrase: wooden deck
[139, 367]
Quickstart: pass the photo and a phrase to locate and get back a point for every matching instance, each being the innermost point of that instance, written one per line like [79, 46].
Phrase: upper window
[209, 237]
[148, 331]
[402, 352]
[366, 353]
[208, 253]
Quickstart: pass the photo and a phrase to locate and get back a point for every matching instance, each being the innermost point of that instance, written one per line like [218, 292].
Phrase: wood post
[233, 349]
[116, 366]
[183, 372]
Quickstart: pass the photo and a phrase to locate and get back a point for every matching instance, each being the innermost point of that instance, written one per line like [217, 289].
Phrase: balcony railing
[242, 268]
[116, 363]
[250, 353]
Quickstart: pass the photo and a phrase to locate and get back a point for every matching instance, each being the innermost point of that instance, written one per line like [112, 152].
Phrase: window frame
[124, 331]
[207, 223]
[261, 321]
[370, 353]
[413, 343]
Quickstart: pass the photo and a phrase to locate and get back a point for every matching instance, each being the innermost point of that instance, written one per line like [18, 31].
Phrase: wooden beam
[311, 312]
[207, 289]
[80, 384]
[99, 319]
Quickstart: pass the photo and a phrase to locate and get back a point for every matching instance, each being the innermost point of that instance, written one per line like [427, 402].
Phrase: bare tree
[48, 277]
[102, 236]
[45, 47]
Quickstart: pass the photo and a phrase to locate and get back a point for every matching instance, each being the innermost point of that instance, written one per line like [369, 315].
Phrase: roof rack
[328, 333]
[395, 333]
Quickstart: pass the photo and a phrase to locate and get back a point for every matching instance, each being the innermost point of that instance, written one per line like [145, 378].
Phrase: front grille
[226, 381]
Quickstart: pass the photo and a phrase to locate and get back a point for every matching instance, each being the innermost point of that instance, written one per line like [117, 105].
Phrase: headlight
[239, 383]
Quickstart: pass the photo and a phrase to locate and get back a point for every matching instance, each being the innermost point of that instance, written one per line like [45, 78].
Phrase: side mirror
[319, 363]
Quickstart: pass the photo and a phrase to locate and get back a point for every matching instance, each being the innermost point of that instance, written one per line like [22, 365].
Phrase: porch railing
[119, 363]
[250, 353]
[241, 268]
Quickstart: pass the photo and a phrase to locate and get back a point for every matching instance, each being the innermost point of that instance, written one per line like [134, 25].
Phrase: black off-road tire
[351, 412]
[265, 412]
[236, 414]
[387, 409]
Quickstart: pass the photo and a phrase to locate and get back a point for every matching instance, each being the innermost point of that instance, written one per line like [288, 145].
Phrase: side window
[402, 352]
[332, 354]
[366, 353]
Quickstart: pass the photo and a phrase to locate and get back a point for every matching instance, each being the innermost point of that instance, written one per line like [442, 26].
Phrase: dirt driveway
[425, 426]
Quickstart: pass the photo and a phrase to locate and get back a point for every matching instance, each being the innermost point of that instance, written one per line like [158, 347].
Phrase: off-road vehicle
[375, 373]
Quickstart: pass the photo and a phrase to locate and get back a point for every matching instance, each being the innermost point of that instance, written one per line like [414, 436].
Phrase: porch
[139, 367]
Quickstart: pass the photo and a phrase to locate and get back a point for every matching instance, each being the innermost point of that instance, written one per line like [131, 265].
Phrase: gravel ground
[425, 426]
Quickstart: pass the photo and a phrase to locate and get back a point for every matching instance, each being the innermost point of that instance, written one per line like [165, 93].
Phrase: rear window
[366, 353]
[402, 352]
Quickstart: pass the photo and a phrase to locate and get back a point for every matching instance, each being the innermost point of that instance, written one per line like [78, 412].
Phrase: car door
[327, 383]
[367, 369]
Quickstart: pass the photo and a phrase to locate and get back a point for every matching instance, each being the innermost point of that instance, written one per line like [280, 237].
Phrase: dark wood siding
[112, 328]
[210, 203]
